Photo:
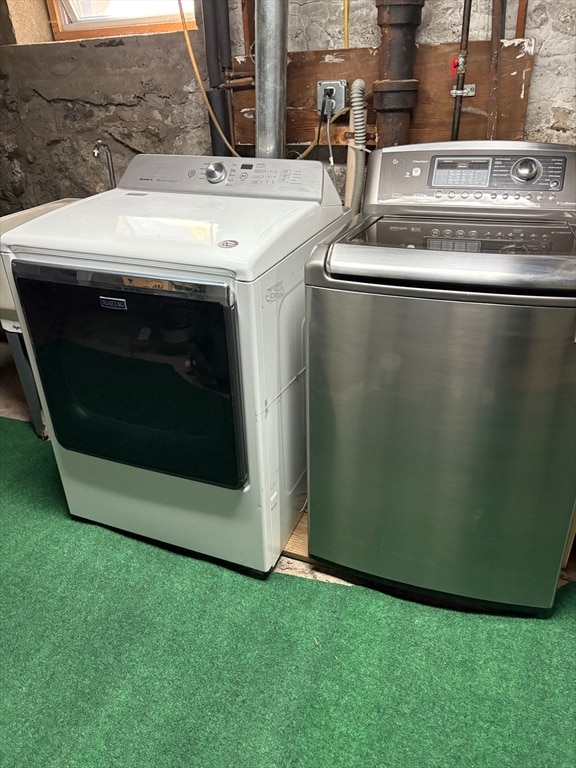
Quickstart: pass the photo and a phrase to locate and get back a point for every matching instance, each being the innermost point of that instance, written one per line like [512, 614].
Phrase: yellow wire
[200, 84]
[346, 20]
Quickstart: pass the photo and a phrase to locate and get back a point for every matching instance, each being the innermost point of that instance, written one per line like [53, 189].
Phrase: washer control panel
[497, 172]
[474, 176]
[470, 236]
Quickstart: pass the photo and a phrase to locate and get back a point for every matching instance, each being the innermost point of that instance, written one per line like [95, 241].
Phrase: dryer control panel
[229, 176]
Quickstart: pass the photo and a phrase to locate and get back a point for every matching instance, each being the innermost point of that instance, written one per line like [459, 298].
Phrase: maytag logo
[109, 303]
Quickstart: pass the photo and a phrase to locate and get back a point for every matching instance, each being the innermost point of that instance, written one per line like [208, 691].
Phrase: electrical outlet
[336, 91]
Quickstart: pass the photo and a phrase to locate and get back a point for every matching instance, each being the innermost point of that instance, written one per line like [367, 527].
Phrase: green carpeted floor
[118, 653]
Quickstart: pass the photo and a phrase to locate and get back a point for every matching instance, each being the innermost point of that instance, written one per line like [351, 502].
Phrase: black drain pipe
[223, 31]
[395, 92]
[216, 23]
[461, 70]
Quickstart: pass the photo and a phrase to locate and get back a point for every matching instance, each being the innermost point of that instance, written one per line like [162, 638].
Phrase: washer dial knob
[526, 169]
[216, 172]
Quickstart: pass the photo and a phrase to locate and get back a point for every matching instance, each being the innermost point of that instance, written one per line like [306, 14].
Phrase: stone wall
[138, 93]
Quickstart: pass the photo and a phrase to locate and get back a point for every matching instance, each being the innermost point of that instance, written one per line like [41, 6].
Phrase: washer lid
[244, 237]
[410, 252]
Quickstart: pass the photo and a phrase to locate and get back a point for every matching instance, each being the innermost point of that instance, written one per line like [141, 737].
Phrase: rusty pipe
[521, 18]
[395, 91]
[494, 65]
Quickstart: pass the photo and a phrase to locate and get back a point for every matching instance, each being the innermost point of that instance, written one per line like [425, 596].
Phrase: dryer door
[141, 370]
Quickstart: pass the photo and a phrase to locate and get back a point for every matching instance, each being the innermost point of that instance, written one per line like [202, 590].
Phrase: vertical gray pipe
[271, 52]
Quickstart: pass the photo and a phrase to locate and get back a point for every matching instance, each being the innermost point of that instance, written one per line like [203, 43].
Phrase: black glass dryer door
[139, 370]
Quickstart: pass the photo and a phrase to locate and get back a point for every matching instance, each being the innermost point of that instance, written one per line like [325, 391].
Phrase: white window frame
[67, 23]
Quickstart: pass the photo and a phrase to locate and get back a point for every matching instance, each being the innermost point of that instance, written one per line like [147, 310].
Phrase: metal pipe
[223, 31]
[394, 93]
[521, 18]
[216, 26]
[461, 73]
[494, 65]
[211, 43]
[271, 51]
[97, 150]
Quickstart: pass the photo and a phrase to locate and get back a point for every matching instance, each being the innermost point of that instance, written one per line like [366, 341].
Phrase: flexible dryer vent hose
[358, 107]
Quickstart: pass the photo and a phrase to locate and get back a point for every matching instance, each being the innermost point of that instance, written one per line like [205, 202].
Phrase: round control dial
[216, 172]
[526, 169]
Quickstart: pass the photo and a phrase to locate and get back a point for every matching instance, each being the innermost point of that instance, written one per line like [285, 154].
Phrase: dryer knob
[216, 172]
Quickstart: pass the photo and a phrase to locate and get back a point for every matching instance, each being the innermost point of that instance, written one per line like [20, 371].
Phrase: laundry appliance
[442, 375]
[10, 321]
[164, 321]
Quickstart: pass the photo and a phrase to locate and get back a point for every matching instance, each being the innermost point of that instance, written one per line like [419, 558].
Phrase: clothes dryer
[164, 320]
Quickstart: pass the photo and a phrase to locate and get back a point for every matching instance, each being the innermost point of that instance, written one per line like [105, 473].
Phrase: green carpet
[115, 652]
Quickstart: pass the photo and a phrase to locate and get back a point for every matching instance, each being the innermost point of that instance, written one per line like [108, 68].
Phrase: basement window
[77, 19]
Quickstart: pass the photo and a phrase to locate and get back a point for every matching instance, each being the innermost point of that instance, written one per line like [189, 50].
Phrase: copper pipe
[494, 64]
[521, 18]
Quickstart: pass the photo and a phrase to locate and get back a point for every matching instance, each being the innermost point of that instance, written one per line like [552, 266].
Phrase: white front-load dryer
[164, 320]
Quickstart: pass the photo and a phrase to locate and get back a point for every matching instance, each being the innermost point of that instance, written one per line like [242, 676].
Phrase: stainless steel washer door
[442, 441]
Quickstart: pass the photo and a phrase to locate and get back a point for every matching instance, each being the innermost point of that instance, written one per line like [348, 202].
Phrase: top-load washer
[164, 320]
[442, 374]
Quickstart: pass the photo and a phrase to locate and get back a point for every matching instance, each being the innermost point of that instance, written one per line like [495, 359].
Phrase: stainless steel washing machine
[442, 375]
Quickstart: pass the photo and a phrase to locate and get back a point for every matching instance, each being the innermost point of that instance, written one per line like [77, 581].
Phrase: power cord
[329, 115]
[326, 110]
[325, 126]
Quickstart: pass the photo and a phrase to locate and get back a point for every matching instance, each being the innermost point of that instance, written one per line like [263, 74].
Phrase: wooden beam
[432, 116]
